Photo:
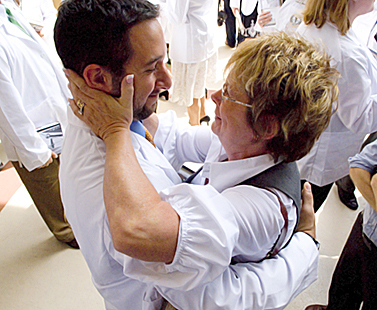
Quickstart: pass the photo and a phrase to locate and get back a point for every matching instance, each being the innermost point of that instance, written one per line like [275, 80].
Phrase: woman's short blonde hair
[288, 80]
[319, 11]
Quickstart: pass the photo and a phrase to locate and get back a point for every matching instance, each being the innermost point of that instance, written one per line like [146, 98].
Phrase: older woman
[329, 23]
[276, 101]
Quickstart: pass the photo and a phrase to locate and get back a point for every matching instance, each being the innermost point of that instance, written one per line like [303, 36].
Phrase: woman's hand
[306, 222]
[264, 18]
[104, 114]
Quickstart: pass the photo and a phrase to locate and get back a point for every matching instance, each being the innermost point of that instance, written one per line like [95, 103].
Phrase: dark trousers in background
[43, 187]
[355, 276]
[230, 25]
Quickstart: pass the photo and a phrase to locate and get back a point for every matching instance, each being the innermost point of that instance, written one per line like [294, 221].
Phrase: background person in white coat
[42, 13]
[288, 17]
[356, 113]
[193, 53]
[365, 29]
[33, 93]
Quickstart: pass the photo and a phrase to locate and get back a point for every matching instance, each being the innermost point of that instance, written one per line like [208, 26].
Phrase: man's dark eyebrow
[153, 60]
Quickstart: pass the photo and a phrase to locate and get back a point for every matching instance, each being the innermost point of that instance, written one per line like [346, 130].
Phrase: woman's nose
[217, 97]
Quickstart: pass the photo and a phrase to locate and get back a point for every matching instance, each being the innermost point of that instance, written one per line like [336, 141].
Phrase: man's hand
[49, 161]
[306, 223]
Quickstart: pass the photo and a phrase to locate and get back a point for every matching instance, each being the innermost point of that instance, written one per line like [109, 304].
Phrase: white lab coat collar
[9, 27]
[33, 35]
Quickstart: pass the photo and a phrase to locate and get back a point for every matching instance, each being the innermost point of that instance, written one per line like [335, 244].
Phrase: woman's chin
[216, 125]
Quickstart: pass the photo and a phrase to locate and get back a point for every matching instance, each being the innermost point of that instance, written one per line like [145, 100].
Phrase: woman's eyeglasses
[233, 100]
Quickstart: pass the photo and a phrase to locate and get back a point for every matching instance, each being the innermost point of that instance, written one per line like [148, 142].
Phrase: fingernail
[65, 72]
[307, 186]
[130, 79]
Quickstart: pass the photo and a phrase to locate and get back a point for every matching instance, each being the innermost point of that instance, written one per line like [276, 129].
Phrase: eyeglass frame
[248, 105]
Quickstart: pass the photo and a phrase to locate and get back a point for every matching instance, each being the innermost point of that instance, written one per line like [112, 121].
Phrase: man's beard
[143, 112]
[138, 113]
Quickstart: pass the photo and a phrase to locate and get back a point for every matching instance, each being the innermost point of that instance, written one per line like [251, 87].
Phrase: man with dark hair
[140, 53]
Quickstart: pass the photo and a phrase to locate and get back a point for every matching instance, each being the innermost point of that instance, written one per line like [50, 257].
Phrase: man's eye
[151, 70]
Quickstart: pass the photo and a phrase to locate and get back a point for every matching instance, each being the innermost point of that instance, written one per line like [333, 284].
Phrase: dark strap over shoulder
[284, 177]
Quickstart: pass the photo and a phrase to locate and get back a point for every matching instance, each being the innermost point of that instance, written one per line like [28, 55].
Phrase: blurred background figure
[41, 14]
[33, 94]
[193, 53]
[365, 28]
[287, 16]
[247, 10]
[355, 114]
[230, 25]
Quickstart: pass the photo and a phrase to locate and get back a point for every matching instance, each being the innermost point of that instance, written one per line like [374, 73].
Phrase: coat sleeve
[270, 284]
[15, 125]
[208, 233]
[357, 107]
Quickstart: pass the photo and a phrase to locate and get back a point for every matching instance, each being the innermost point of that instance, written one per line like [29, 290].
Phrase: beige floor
[39, 273]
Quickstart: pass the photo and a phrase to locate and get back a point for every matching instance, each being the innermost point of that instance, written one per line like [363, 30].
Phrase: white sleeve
[357, 107]
[180, 143]
[213, 229]
[15, 125]
[270, 284]
[208, 233]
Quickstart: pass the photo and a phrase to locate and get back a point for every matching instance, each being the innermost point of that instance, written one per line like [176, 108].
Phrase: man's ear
[98, 77]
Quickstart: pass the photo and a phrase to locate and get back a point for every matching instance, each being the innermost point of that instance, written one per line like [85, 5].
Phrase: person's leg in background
[193, 112]
[369, 275]
[203, 69]
[203, 116]
[230, 25]
[43, 187]
[346, 284]
[346, 287]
